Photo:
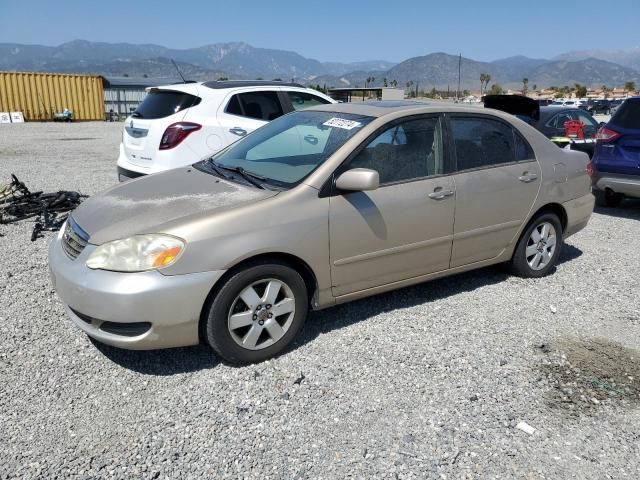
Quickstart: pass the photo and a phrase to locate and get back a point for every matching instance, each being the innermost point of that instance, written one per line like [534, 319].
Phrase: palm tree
[525, 82]
[485, 78]
[384, 82]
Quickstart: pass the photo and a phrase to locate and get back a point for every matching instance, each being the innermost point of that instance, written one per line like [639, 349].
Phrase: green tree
[581, 90]
[394, 83]
[535, 87]
[630, 87]
[384, 82]
[496, 89]
[222, 79]
[277, 79]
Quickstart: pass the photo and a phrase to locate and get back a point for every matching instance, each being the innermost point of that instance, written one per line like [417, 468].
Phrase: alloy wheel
[541, 246]
[261, 314]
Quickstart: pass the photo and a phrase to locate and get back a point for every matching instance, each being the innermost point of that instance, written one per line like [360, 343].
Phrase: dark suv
[599, 106]
[615, 168]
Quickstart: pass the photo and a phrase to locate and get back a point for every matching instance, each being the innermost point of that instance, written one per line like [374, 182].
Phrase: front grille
[74, 239]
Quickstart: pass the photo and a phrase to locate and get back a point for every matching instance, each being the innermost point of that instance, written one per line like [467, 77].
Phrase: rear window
[162, 103]
[627, 115]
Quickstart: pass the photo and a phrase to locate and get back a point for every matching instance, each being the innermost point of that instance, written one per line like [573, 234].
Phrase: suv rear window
[627, 115]
[162, 103]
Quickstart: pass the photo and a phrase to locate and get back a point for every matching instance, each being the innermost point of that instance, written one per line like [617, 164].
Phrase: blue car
[615, 166]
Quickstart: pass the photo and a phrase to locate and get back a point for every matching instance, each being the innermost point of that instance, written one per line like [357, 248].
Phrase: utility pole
[459, 70]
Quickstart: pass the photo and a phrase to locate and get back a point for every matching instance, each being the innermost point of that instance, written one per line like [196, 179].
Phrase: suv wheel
[608, 198]
[539, 247]
[257, 313]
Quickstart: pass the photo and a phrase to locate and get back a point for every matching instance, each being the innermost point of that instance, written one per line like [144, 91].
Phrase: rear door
[242, 112]
[497, 182]
[144, 128]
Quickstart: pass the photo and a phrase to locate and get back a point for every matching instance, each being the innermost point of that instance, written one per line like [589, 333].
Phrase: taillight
[606, 135]
[590, 169]
[176, 133]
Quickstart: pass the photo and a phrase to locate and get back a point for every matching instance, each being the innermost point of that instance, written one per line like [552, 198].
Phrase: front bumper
[629, 185]
[579, 212]
[168, 306]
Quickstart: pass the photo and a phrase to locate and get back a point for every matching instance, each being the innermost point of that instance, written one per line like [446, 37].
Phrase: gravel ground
[424, 382]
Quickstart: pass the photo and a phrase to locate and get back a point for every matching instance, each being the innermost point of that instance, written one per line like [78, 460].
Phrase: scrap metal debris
[50, 210]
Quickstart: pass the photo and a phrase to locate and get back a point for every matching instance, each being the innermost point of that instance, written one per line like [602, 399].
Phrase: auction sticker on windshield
[342, 123]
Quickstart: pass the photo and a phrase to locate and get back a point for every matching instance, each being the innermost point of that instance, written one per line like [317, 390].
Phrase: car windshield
[286, 150]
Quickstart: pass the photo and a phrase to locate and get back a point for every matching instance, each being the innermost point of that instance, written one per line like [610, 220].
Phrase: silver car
[318, 207]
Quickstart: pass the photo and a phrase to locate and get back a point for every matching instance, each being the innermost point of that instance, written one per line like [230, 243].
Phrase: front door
[497, 182]
[404, 228]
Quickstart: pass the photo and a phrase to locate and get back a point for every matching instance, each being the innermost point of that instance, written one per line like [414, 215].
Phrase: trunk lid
[144, 128]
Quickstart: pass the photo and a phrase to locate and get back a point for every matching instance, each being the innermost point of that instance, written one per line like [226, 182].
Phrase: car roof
[221, 84]
[387, 107]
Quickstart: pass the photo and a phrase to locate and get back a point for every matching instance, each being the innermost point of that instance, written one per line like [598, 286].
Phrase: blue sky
[329, 31]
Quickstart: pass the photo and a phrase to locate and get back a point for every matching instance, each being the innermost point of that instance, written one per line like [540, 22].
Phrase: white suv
[178, 125]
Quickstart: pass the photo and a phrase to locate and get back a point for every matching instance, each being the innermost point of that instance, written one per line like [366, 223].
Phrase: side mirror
[358, 180]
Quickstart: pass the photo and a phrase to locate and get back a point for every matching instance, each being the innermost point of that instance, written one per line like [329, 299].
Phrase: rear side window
[162, 103]
[302, 100]
[259, 105]
[523, 149]
[482, 142]
[627, 115]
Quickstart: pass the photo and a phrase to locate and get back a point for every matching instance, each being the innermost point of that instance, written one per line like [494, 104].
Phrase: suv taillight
[176, 133]
[590, 169]
[606, 135]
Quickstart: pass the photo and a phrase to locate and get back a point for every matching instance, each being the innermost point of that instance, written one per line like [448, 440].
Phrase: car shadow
[629, 209]
[170, 361]
[190, 359]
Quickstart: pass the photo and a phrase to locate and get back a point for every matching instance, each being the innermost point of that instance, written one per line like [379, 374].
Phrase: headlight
[137, 253]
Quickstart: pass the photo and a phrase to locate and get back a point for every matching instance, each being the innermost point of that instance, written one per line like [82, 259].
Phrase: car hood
[513, 104]
[144, 205]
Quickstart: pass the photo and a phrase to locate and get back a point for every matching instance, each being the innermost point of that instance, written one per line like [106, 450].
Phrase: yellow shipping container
[39, 95]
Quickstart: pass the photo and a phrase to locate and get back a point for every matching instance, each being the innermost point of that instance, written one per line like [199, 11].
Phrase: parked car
[599, 107]
[316, 208]
[177, 125]
[615, 167]
[615, 104]
[550, 120]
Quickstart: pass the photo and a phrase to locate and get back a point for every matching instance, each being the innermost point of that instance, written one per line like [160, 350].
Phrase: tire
[257, 332]
[608, 198]
[534, 261]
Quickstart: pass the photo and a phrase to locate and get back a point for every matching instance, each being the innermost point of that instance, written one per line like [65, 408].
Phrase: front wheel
[539, 247]
[257, 313]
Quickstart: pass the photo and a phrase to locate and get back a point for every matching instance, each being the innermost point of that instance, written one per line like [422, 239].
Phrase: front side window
[559, 120]
[258, 105]
[289, 148]
[304, 100]
[406, 151]
[482, 142]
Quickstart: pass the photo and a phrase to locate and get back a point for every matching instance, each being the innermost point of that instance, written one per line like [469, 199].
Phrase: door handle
[440, 194]
[241, 132]
[527, 177]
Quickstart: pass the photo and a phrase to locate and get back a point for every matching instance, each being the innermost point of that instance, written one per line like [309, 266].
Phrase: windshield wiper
[252, 178]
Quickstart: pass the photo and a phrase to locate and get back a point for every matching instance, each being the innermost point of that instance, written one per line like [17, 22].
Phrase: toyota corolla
[316, 208]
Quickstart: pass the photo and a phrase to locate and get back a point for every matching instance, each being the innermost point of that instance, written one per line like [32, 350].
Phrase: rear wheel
[257, 313]
[539, 247]
[608, 198]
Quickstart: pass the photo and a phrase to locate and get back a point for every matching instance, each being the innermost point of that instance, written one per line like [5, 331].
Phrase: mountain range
[243, 61]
